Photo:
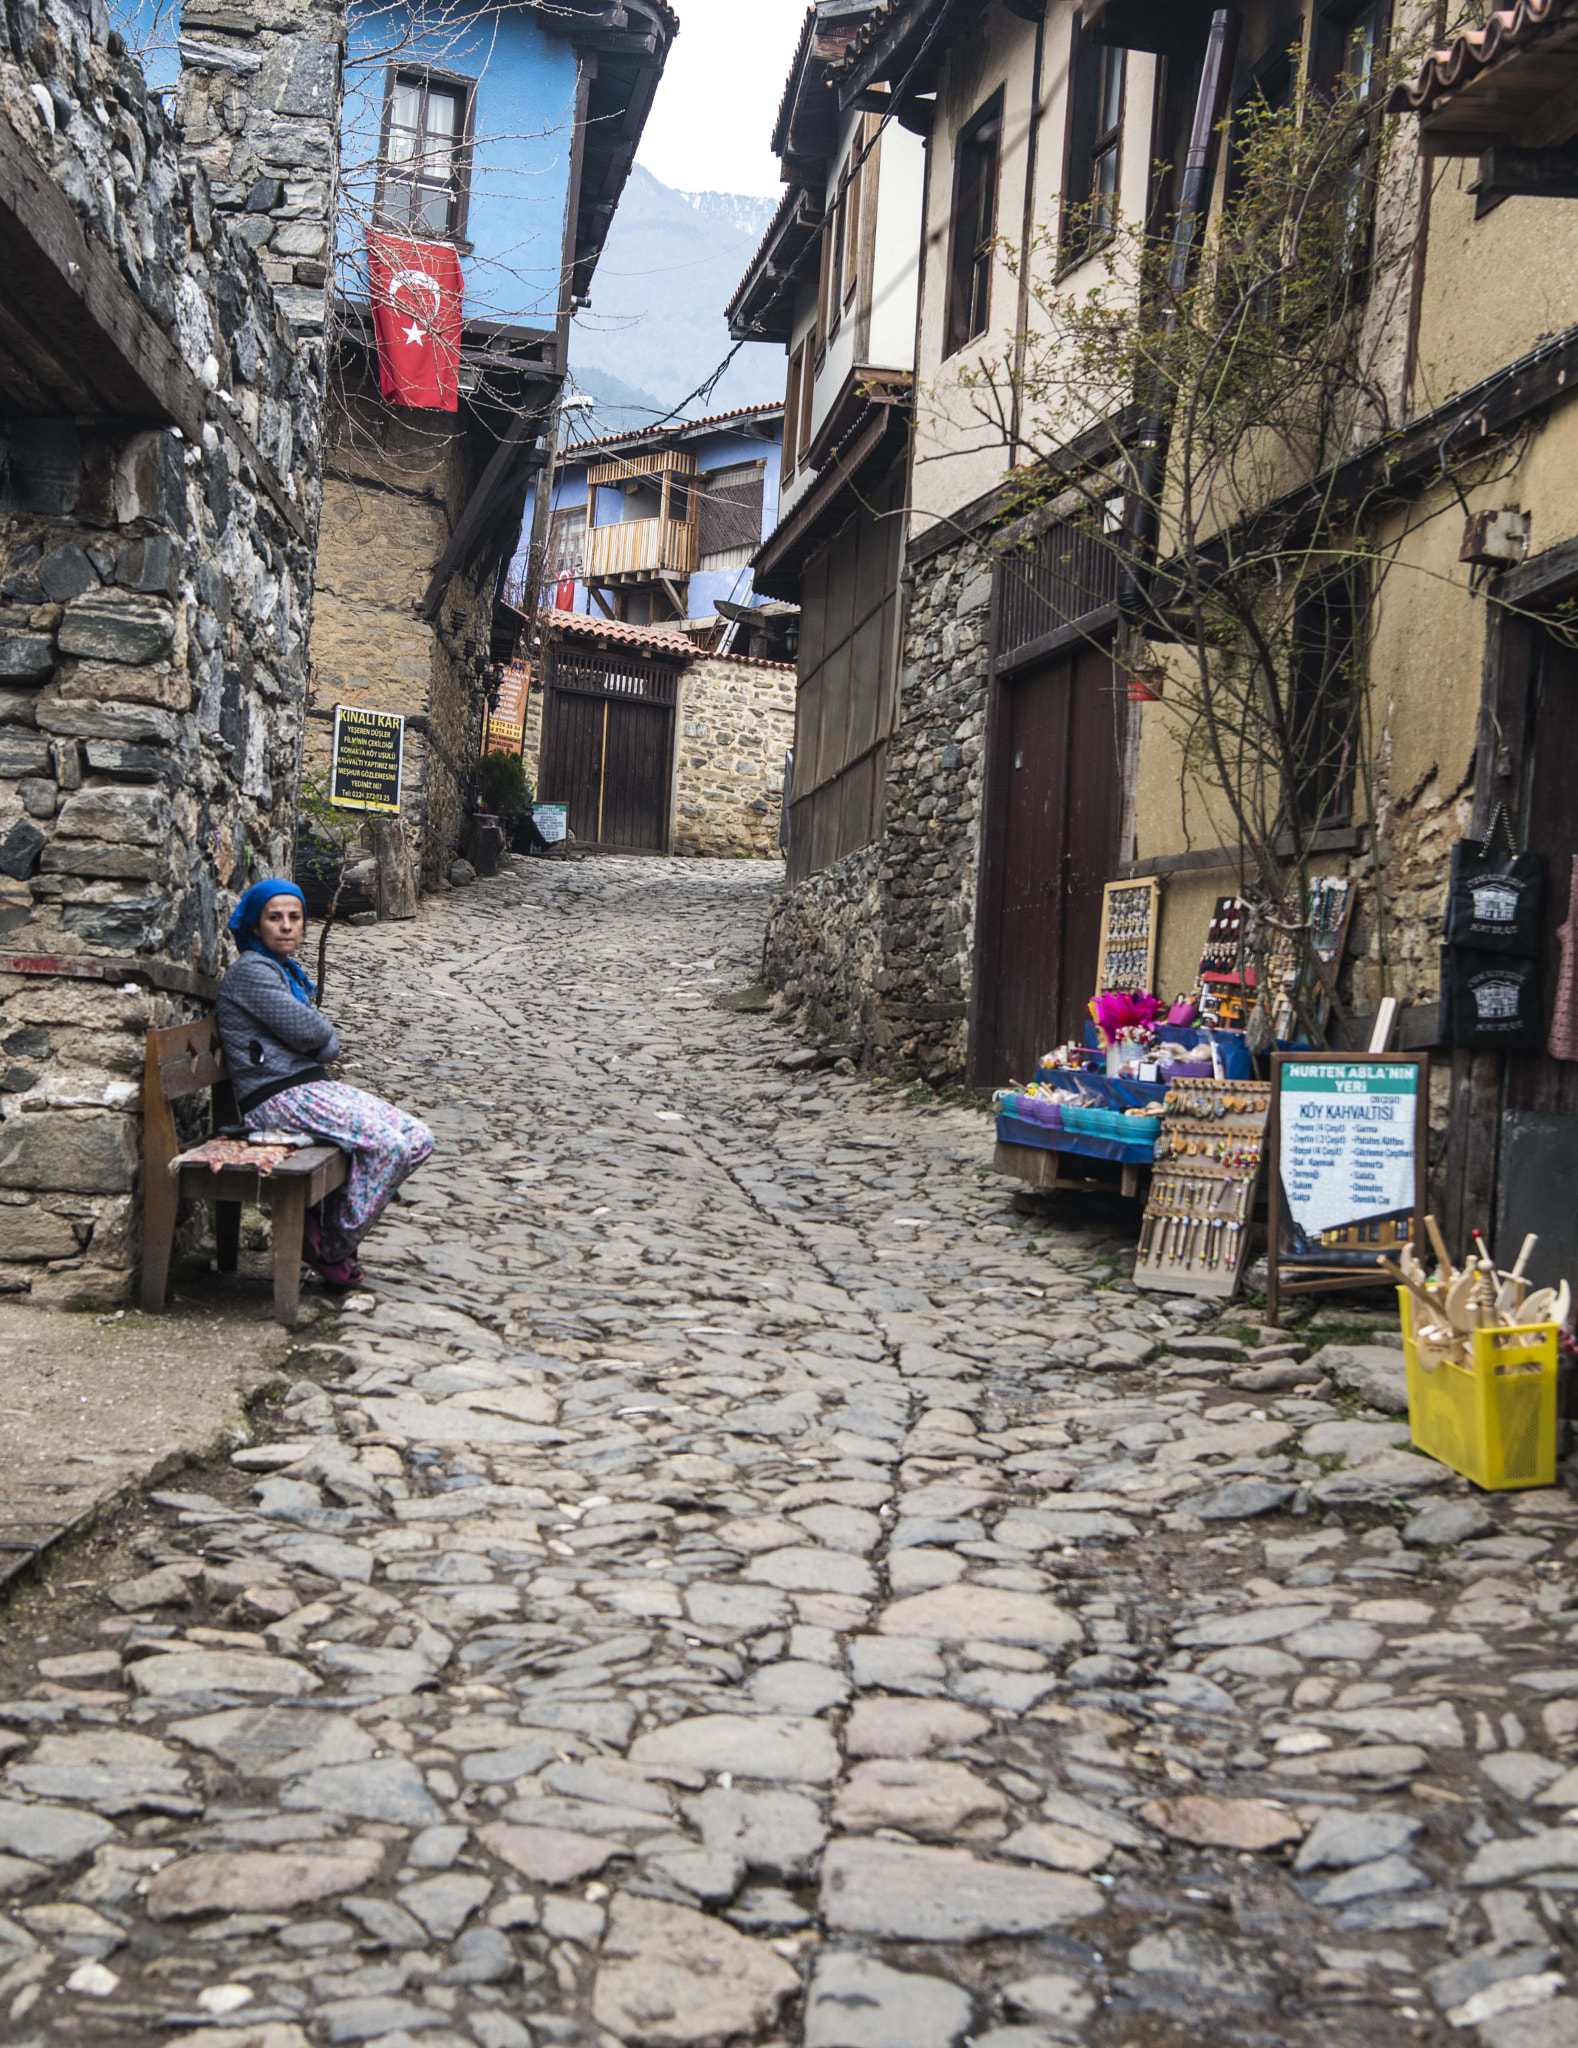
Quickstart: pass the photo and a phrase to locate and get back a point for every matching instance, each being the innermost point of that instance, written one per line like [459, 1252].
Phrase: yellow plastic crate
[1493, 1420]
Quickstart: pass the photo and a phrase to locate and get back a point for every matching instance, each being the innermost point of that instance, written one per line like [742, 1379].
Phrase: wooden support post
[395, 888]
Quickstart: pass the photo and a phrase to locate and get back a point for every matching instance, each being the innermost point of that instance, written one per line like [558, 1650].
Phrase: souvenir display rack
[1226, 976]
[1194, 1238]
[1129, 916]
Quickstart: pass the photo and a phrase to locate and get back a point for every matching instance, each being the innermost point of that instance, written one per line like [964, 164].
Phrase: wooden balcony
[641, 547]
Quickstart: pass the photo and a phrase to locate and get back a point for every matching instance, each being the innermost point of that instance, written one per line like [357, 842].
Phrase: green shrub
[502, 786]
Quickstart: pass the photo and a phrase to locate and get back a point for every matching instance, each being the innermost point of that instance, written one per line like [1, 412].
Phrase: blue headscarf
[244, 923]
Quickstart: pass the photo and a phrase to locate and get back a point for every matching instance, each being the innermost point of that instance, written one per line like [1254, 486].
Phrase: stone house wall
[736, 724]
[877, 948]
[155, 602]
[395, 484]
[259, 109]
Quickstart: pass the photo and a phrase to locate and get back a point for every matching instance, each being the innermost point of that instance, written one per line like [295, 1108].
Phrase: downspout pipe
[1142, 521]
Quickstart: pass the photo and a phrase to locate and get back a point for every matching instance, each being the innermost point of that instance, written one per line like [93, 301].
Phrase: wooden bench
[183, 1061]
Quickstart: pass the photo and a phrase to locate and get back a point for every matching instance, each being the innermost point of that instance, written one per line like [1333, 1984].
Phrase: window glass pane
[1105, 195]
[443, 113]
[431, 209]
[1112, 91]
[407, 109]
[1359, 60]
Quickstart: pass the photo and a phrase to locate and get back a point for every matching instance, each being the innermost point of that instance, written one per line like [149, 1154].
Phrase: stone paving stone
[730, 1564]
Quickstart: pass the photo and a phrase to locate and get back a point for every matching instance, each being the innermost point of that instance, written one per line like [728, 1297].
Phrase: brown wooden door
[1049, 843]
[609, 759]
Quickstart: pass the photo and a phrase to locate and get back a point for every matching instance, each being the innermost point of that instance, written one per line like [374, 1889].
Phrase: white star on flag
[414, 333]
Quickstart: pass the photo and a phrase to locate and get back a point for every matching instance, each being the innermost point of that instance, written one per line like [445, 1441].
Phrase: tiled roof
[614, 632]
[786, 99]
[1463, 59]
[673, 428]
[888, 11]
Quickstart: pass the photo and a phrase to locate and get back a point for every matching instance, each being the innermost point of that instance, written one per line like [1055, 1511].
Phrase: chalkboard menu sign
[369, 753]
[1348, 1153]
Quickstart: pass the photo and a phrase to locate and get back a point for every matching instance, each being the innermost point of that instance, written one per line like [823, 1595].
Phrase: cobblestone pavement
[735, 1579]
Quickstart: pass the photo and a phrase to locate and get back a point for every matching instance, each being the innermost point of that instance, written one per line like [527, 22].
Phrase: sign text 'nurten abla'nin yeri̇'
[369, 748]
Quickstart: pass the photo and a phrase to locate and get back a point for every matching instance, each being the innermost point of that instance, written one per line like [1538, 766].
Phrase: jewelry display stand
[1128, 935]
[1194, 1238]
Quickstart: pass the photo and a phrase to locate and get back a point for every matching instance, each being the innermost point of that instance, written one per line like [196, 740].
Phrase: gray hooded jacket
[271, 1041]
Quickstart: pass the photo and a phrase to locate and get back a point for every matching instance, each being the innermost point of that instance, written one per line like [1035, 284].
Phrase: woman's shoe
[341, 1277]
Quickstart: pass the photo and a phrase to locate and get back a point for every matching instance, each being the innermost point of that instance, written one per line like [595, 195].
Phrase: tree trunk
[396, 888]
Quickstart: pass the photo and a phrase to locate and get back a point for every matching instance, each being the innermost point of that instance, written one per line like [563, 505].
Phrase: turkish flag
[416, 290]
[564, 594]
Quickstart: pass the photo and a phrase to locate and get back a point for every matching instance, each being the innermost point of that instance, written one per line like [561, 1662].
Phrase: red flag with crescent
[417, 289]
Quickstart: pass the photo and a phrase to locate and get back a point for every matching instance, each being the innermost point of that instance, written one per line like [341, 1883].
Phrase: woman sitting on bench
[276, 1042]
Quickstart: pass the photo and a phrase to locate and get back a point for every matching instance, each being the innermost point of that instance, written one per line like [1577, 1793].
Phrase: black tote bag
[1494, 899]
[1490, 1001]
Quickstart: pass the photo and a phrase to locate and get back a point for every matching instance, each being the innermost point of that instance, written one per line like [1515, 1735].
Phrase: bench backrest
[182, 1060]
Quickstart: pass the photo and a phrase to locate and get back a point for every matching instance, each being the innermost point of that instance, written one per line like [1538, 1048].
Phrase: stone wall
[259, 109]
[155, 601]
[878, 946]
[396, 482]
[736, 724]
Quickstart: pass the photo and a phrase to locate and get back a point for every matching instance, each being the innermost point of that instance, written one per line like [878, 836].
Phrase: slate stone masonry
[877, 948]
[155, 598]
[259, 109]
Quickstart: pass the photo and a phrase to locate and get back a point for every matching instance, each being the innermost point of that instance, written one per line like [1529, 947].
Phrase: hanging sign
[369, 756]
[1349, 1152]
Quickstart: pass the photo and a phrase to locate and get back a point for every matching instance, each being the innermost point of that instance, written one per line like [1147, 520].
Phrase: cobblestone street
[735, 1578]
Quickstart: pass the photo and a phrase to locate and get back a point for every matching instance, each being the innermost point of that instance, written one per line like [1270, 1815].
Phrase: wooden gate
[608, 746]
[1053, 800]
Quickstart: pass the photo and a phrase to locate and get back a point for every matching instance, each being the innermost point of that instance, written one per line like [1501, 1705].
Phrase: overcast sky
[712, 120]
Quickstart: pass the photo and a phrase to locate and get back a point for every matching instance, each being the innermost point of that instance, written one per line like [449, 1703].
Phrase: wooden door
[608, 750]
[1538, 1167]
[1049, 843]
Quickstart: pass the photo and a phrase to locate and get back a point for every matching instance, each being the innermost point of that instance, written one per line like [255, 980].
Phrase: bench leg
[289, 1211]
[227, 1236]
[161, 1200]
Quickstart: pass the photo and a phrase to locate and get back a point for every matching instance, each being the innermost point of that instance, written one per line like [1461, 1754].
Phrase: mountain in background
[621, 407]
[670, 266]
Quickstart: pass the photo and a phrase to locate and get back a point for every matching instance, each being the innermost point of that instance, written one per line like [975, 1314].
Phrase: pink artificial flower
[1121, 1012]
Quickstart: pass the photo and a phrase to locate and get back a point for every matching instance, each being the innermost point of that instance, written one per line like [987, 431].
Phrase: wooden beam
[85, 329]
[494, 481]
[1528, 173]
[77, 301]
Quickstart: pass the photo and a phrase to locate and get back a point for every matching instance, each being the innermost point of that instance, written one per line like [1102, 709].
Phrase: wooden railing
[641, 545]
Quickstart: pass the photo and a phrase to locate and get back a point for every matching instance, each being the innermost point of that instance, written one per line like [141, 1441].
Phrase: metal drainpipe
[1142, 520]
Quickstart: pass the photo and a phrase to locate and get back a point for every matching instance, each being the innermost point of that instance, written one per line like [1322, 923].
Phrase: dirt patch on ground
[93, 1404]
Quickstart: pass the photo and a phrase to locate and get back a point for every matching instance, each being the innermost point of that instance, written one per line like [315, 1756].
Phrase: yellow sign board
[369, 756]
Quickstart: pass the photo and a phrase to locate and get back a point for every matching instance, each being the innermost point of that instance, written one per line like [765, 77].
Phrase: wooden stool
[181, 1062]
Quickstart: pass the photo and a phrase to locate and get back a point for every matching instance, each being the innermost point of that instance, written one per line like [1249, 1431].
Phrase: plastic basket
[1493, 1420]
[1111, 1123]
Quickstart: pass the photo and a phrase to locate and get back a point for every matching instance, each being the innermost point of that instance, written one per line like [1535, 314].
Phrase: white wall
[959, 455]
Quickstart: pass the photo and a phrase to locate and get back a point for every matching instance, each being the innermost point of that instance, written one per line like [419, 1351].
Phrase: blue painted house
[661, 525]
[504, 134]
[483, 149]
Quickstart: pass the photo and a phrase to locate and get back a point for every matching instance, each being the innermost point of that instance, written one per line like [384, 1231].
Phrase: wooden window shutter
[731, 508]
[822, 292]
[792, 410]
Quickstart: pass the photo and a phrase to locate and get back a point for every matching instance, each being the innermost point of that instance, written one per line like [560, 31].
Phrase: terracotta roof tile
[614, 632]
[711, 419]
[1463, 59]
